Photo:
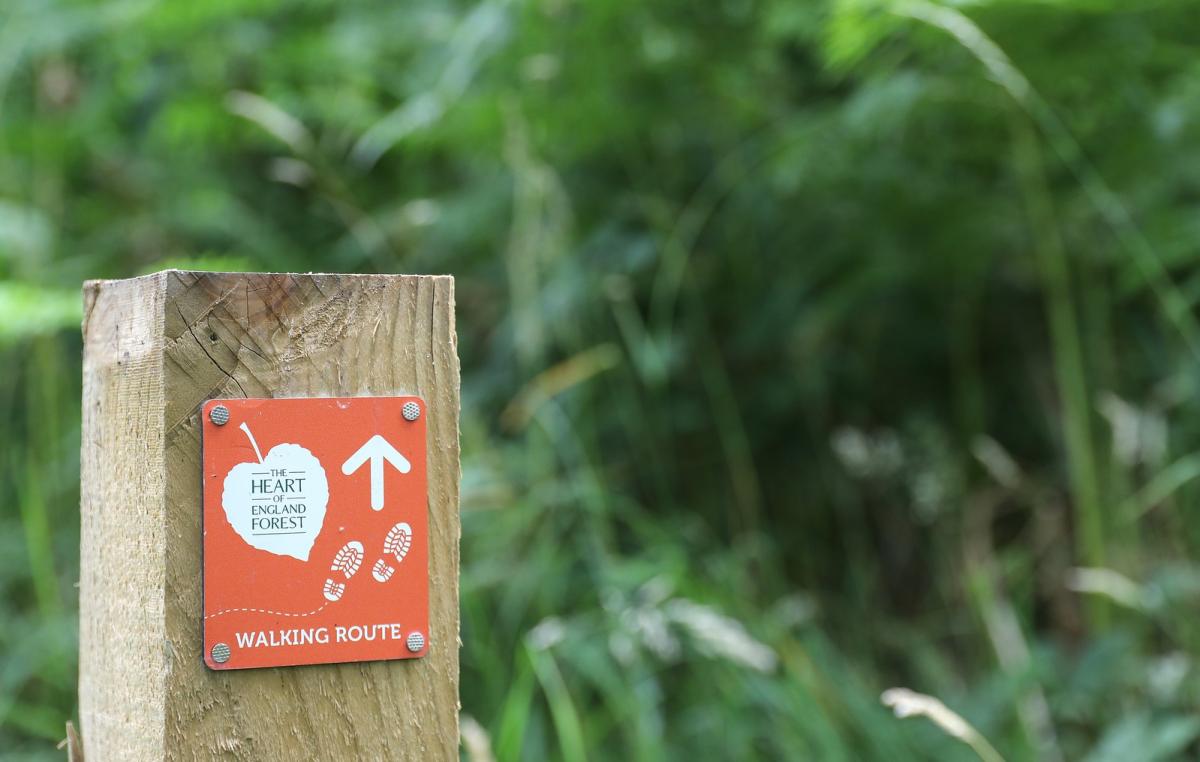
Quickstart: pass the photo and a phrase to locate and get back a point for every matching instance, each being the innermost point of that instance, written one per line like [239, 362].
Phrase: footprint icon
[346, 562]
[396, 545]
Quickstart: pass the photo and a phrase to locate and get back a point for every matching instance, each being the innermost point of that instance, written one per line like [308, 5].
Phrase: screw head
[411, 411]
[220, 653]
[415, 642]
[219, 415]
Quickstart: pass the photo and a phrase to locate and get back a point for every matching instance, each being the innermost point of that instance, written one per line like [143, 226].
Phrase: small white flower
[719, 635]
[1166, 674]
[996, 460]
[906, 703]
[475, 740]
[1111, 584]
[546, 634]
[865, 455]
[1138, 435]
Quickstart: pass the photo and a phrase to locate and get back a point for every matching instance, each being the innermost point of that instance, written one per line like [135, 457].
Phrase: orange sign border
[272, 610]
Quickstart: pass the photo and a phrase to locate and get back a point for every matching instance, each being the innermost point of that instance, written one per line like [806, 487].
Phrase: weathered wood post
[164, 673]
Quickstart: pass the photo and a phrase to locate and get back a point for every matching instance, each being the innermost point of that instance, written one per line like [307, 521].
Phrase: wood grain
[157, 347]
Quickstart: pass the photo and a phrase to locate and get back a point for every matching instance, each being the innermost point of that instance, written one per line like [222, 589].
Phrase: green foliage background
[809, 348]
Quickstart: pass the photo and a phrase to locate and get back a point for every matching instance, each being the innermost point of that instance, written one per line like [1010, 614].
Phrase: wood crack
[213, 360]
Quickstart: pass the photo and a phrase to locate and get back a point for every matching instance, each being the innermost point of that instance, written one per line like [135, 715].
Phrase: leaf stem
[253, 444]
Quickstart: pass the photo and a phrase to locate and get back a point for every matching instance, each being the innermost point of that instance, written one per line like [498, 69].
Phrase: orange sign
[315, 531]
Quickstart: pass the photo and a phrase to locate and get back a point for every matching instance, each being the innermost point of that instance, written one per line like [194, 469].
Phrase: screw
[219, 415]
[220, 653]
[411, 411]
[415, 642]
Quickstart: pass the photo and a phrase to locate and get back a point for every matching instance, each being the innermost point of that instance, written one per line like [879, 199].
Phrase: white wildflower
[475, 740]
[546, 634]
[906, 703]
[867, 456]
[651, 627]
[1138, 436]
[1166, 674]
[719, 635]
[996, 461]
[1110, 584]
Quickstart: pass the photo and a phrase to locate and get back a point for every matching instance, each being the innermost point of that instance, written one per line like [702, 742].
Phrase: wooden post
[155, 348]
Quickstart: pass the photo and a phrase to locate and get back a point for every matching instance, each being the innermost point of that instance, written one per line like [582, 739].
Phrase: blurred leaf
[28, 310]
[25, 233]
[1146, 738]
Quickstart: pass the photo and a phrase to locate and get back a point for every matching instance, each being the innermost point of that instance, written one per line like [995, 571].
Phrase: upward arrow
[377, 450]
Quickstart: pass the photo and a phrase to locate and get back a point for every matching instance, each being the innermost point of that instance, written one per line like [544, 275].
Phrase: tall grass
[808, 350]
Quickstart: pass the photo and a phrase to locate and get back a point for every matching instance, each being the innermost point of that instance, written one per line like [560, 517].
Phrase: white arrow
[377, 450]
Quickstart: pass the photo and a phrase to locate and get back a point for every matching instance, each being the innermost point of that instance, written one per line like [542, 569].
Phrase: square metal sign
[315, 531]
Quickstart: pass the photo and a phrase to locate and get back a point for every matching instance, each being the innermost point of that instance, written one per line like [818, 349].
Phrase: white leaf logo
[277, 504]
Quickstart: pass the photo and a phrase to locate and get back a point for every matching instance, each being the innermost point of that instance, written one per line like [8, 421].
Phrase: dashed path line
[266, 611]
